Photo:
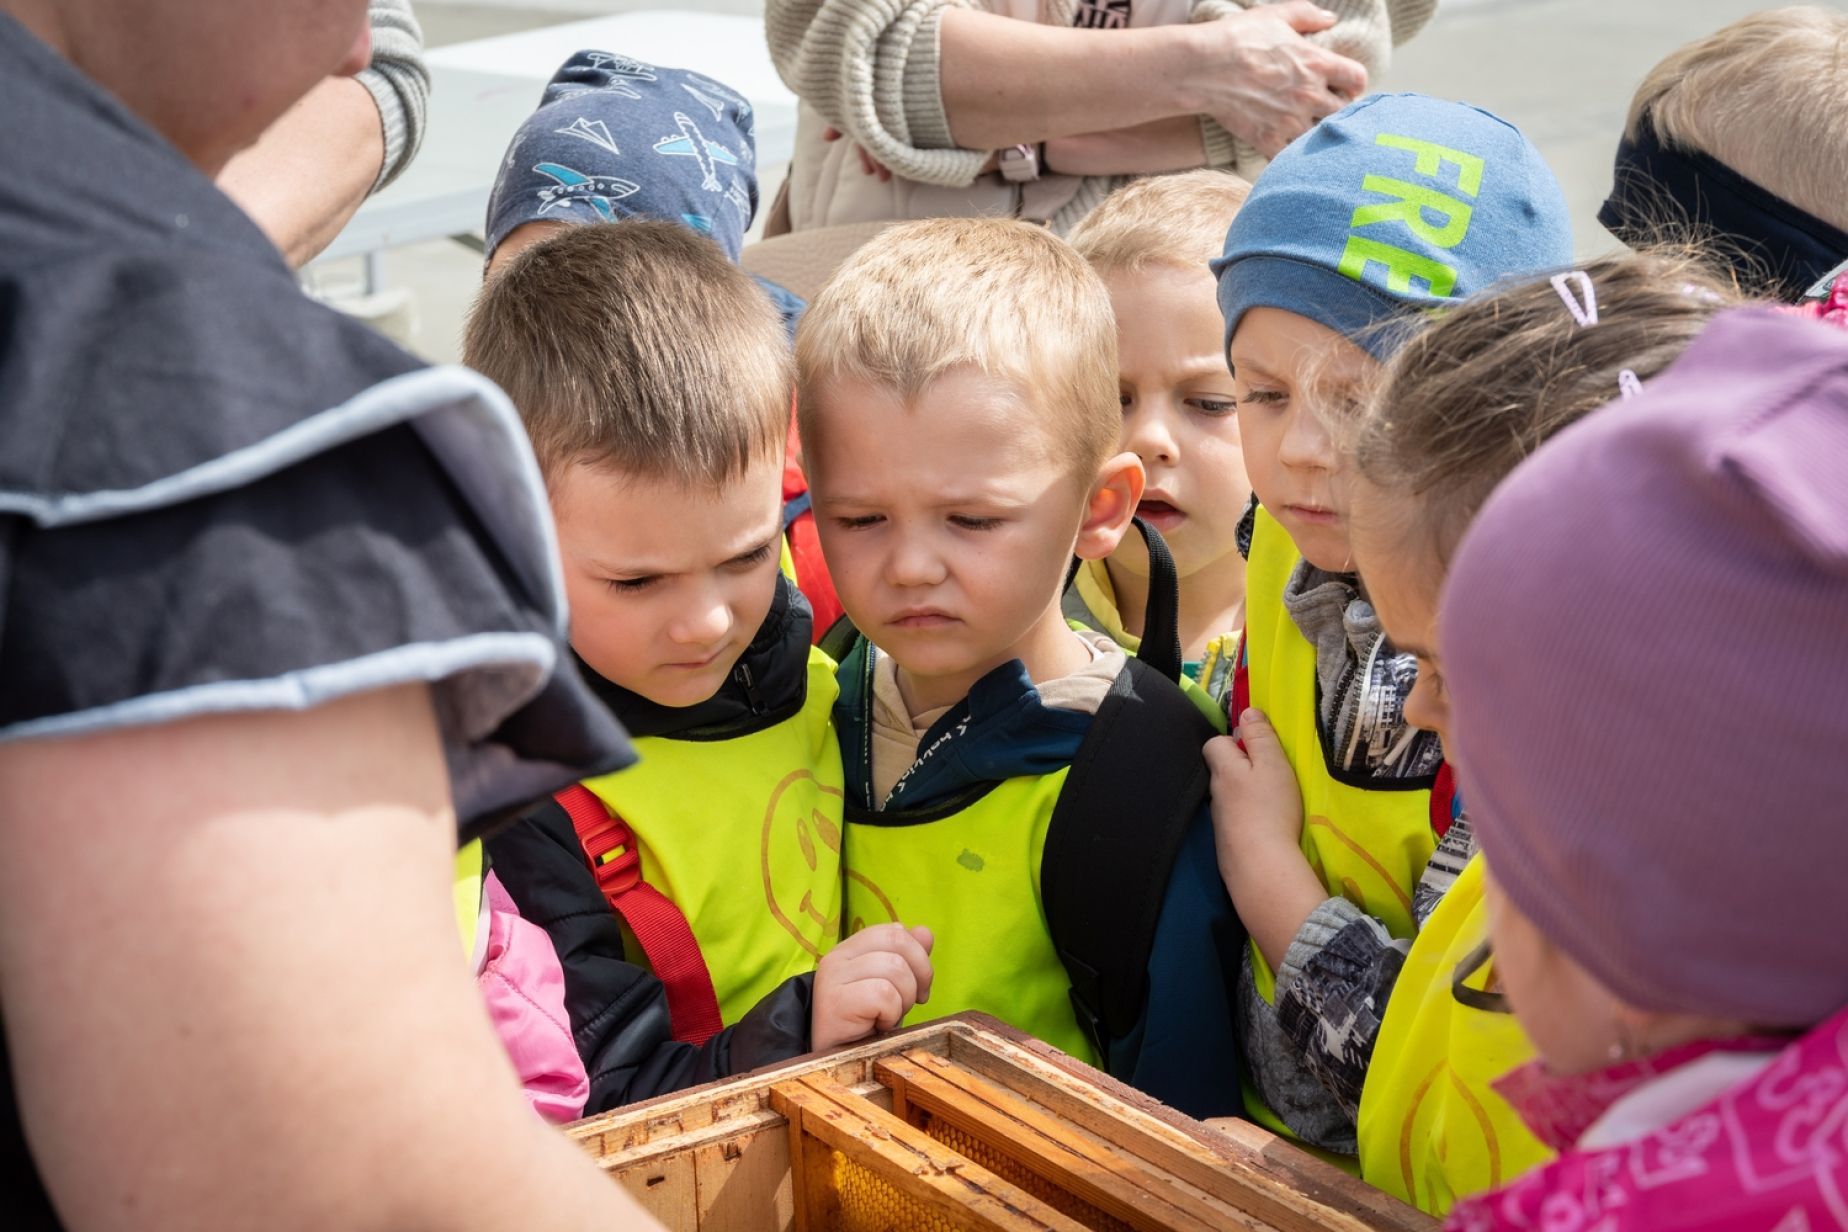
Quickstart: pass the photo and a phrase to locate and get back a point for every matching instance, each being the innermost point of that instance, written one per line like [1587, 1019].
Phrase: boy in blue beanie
[1394, 206]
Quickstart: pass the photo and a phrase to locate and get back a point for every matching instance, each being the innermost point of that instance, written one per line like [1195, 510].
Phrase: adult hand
[868, 165]
[1268, 84]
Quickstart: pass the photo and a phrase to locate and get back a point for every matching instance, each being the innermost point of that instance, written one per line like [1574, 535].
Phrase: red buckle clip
[620, 874]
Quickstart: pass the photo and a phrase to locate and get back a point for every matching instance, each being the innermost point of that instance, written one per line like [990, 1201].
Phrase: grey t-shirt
[217, 496]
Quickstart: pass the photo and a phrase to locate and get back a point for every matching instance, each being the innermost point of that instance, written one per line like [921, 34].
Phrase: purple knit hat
[1645, 639]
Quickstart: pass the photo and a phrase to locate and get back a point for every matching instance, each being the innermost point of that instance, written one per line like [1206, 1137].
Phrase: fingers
[1225, 757]
[1304, 17]
[830, 133]
[1347, 79]
[886, 951]
[926, 941]
[1255, 730]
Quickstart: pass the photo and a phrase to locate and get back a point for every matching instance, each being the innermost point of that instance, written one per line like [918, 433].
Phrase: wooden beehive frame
[717, 1158]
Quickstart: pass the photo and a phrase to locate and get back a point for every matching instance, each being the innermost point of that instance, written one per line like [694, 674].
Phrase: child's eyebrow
[755, 549]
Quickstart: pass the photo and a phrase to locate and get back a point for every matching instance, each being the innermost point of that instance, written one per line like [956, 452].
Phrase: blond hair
[1768, 97]
[1165, 220]
[1480, 388]
[636, 345]
[1008, 299]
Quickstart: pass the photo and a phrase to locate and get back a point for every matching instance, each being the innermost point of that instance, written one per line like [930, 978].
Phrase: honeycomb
[1015, 1173]
[870, 1203]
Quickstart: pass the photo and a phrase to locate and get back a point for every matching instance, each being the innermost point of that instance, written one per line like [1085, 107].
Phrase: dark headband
[1651, 179]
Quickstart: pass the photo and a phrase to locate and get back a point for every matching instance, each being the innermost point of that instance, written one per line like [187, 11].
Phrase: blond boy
[1736, 141]
[1150, 243]
[654, 380]
[959, 414]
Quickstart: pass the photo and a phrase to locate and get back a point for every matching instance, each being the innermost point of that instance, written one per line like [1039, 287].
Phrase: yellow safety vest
[466, 889]
[1431, 1128]
[973, 877]
[1095, 609]
[1370, 844]
[744, 836]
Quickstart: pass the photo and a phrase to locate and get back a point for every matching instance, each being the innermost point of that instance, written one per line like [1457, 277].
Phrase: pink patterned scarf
[1770, 1154]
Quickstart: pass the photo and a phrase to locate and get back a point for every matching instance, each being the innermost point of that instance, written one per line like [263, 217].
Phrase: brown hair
[1006, 298]
[1171, 220]
[636, 345]
[1477, 390]
[1766, 96]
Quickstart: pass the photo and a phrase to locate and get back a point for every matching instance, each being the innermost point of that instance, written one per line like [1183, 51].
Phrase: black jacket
[618, 1009]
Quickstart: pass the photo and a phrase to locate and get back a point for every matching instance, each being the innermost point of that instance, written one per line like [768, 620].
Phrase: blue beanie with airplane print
[614, 138]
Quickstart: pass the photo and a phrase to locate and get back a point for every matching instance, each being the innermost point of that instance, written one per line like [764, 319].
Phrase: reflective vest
[1431, 1128]
[465, 888]
[1369, 844]
[744, 837]
[973, 876]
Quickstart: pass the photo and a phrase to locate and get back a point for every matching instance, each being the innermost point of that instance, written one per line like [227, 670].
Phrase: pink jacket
[523, 986]
[1706, 1138]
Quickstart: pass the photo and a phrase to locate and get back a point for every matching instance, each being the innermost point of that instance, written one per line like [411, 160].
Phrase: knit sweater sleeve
[871, 68]
[1365, 30]
[399, 83]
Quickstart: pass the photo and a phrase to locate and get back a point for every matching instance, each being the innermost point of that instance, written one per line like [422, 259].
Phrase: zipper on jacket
[749, 683]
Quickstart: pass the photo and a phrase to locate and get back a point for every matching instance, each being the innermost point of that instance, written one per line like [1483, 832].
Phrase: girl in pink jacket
[1642, 638]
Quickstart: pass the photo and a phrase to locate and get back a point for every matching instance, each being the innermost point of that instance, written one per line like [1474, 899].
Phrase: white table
[481, 92]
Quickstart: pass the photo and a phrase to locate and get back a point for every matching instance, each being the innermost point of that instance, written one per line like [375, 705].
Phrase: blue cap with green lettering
[1396, 203]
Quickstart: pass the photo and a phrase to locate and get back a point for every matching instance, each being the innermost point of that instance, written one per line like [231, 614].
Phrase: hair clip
[1586, 313]
[1628, 385]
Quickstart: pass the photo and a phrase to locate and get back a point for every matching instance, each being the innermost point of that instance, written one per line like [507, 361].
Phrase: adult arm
[344, 140]
[928, 87]
[234, 975]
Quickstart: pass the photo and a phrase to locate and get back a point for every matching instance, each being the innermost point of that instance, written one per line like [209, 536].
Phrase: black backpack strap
[839, 639]
[1137, 782]
[1161, 618]
[1161, 615]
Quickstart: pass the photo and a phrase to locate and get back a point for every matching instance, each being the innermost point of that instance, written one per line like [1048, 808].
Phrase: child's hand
[1257, 829]
[1256, 803]
[868, 983]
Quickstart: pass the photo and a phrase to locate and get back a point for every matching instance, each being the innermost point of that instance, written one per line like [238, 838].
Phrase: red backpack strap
[658, 925]
[1443, 800]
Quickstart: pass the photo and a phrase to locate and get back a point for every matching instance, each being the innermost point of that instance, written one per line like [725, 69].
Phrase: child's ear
[1113, 501]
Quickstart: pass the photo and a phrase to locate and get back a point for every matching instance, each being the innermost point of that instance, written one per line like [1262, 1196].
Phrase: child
[1740, 141]
[654, 381]
[1151, 243]
[1394, 205]
[1460, 405]
[612, 139]
[1674, 573]
[958, 399]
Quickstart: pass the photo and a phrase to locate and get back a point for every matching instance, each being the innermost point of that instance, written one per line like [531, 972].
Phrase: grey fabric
[1281, 1073]
[1362, 682]
[399, 82]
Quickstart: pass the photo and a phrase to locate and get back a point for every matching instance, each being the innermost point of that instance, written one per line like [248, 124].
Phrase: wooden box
[962, 1123]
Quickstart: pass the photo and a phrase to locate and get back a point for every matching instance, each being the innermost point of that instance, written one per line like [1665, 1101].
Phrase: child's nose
[1306, 444]
[914, 562]
[703, 622]
[1150, 437]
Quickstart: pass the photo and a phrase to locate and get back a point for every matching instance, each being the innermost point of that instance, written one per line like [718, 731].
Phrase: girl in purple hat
[1635, 658]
